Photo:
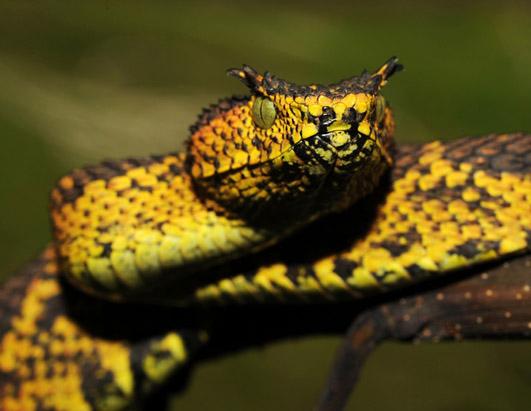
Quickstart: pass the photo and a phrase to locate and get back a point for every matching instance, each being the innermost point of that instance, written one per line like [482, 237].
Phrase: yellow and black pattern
[119, 225]
[255, 170]
[449, 206]
[241, 185]
[53, 359]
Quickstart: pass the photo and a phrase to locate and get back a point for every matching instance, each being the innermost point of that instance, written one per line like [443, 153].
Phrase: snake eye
[380, 108]
[263, 112]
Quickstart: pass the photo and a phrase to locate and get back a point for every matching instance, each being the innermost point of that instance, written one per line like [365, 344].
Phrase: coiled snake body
[197, 228]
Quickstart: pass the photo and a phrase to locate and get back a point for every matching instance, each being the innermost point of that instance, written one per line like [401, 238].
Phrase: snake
[224, 222]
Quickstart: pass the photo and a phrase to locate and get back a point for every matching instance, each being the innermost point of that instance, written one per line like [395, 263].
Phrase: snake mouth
[338, 145]
[316, 149]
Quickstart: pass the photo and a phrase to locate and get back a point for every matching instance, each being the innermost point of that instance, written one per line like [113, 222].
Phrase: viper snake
[290, 195]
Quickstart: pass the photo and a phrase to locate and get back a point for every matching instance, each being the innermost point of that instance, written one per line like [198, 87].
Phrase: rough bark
[492, 304]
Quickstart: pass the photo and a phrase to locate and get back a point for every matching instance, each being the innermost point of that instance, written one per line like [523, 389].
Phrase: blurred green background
[83, 81]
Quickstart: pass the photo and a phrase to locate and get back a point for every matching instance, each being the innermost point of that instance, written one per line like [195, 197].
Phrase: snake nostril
[351, 116]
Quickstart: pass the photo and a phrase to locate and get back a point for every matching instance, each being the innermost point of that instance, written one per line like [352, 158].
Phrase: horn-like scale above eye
[263, 112]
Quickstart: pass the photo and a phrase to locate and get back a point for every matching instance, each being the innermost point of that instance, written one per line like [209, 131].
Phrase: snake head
[301, 141]
[338, 121]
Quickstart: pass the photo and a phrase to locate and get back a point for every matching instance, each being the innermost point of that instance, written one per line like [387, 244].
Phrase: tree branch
[493, 304]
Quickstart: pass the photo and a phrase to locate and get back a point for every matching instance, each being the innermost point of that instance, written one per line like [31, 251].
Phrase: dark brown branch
[493, 304]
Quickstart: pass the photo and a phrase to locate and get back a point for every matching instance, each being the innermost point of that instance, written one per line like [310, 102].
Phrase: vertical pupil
[263, 112]
[380, 108]
[257, 112]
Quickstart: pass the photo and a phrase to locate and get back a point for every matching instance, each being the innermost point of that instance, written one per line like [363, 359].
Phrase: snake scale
[199, 228]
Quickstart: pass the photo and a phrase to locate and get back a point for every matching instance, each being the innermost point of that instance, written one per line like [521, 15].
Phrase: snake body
[256, 170]
[241, 185]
